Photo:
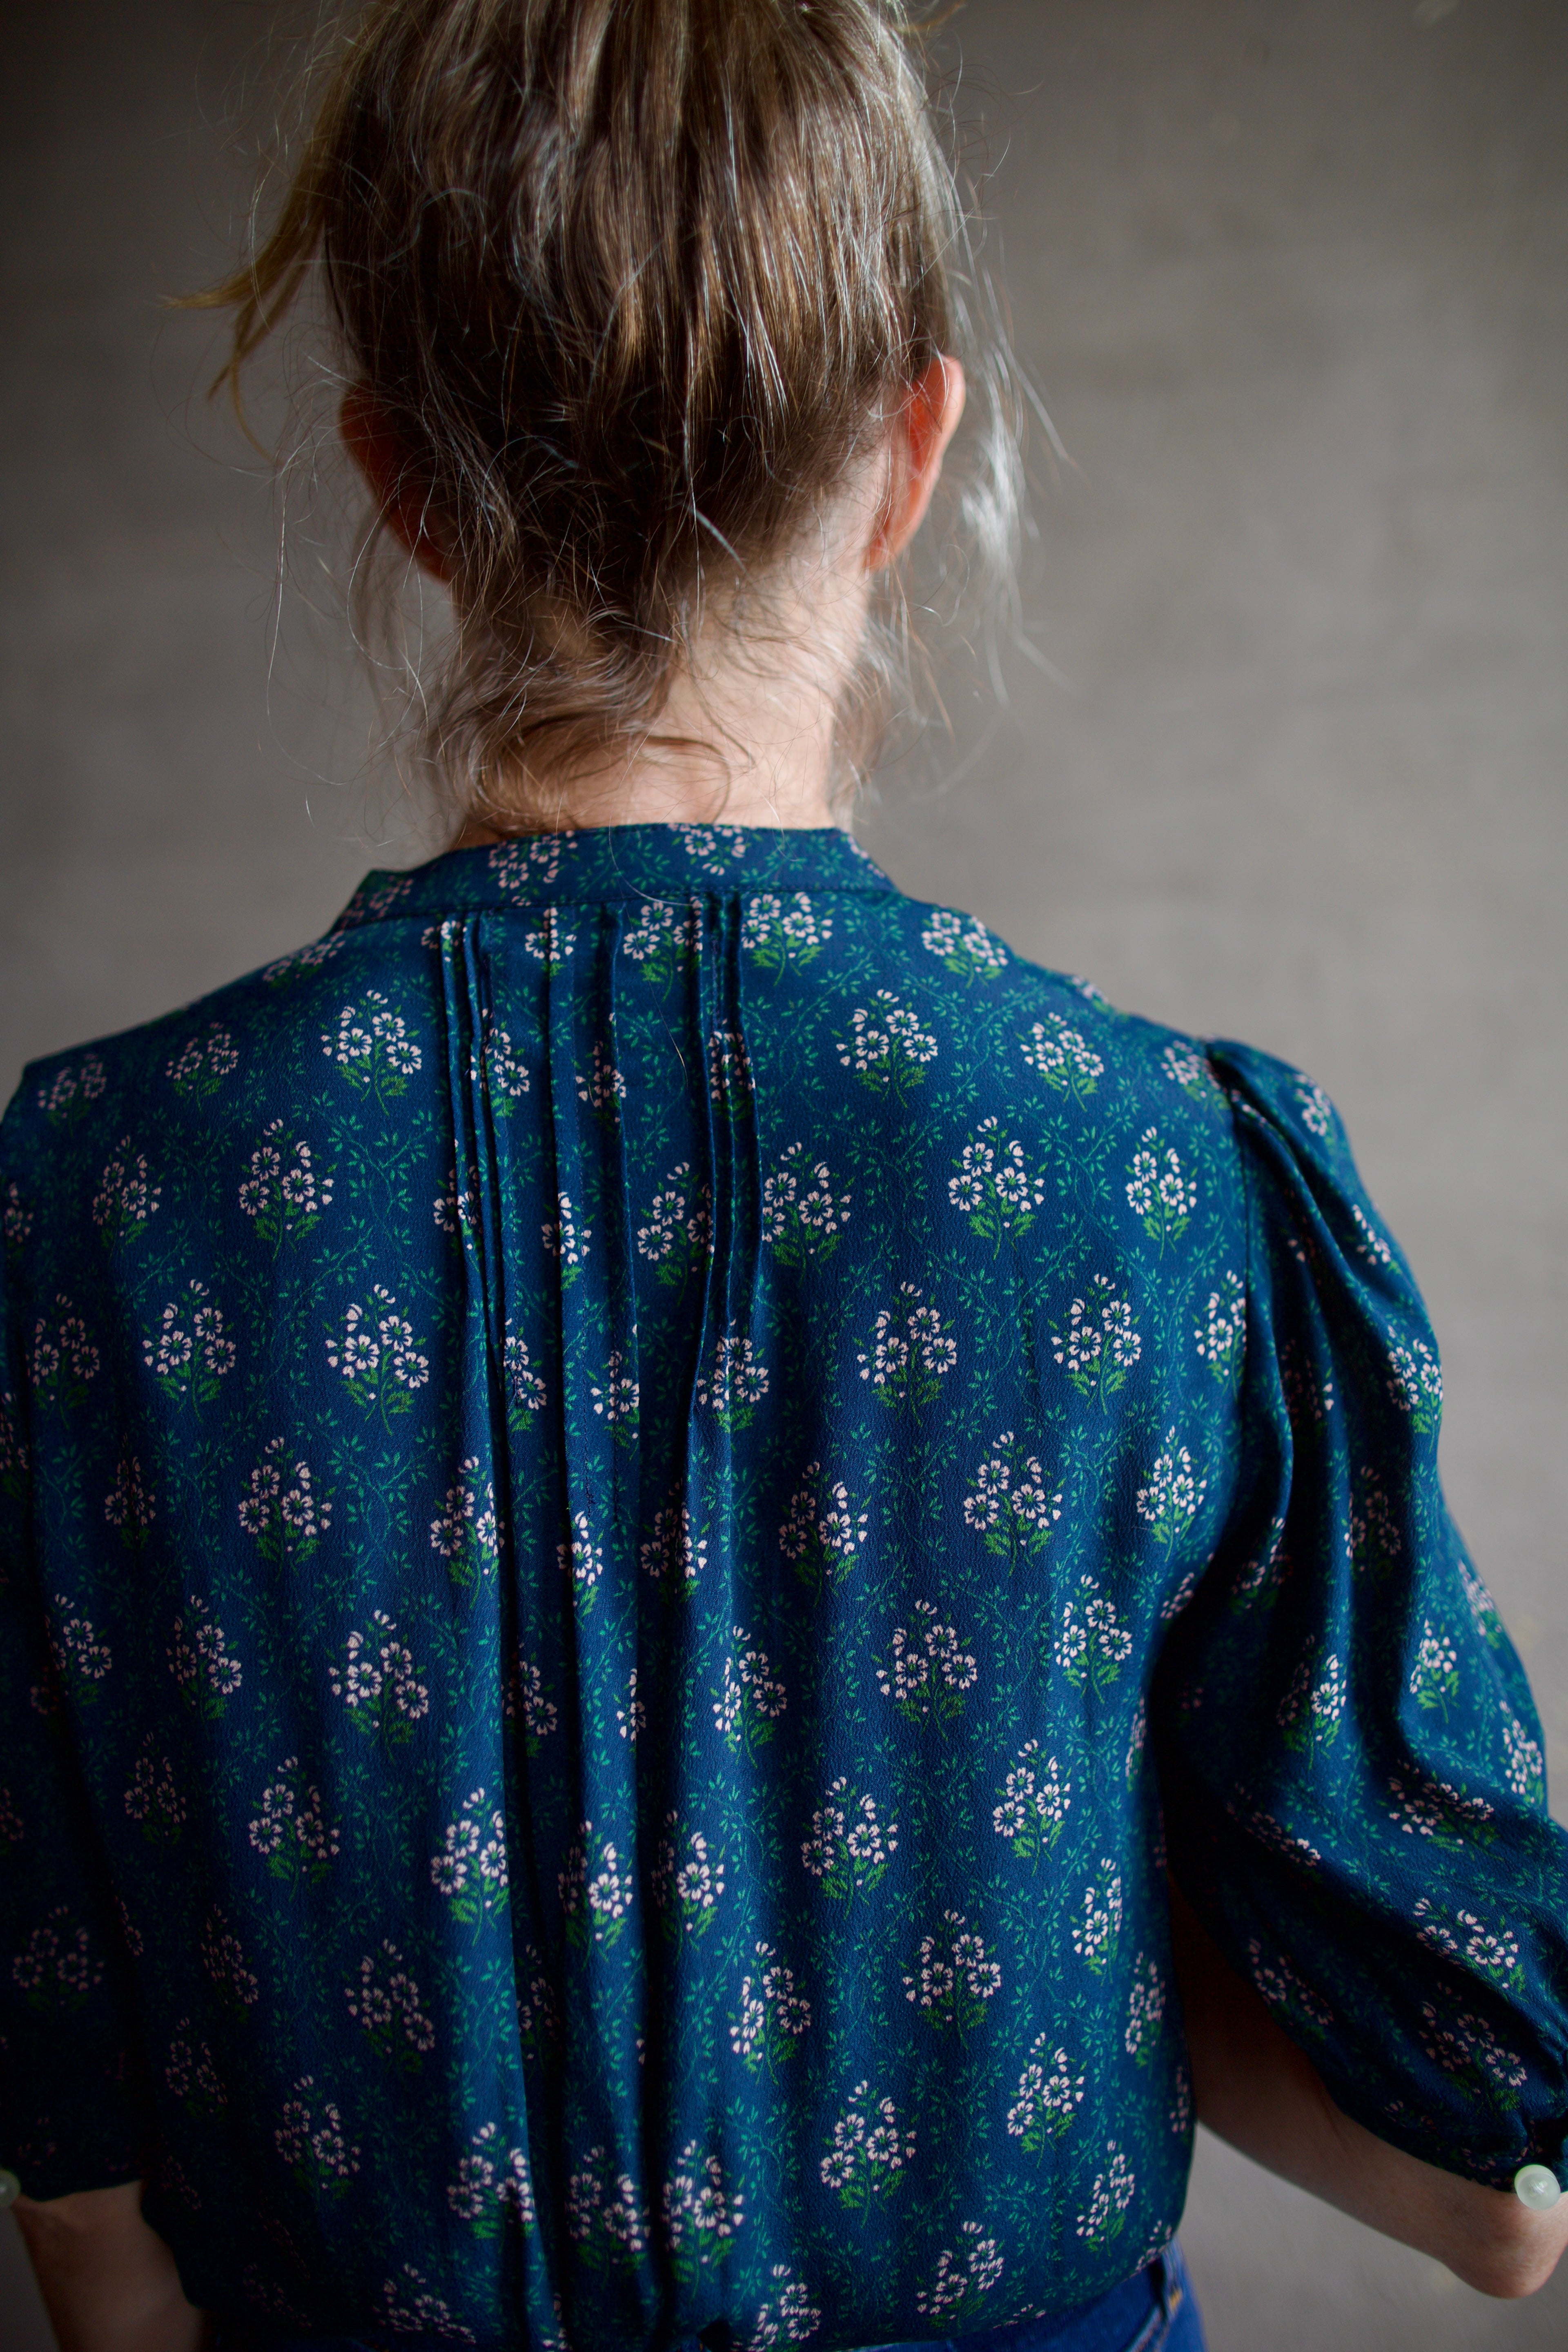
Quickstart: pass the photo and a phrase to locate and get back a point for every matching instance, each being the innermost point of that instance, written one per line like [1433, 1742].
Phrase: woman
[643, 1486]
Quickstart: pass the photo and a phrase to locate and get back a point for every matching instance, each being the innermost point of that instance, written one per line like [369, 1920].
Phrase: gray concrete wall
[1291, 276]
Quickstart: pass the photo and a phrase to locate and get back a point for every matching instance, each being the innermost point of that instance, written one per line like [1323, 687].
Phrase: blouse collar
[626, 861]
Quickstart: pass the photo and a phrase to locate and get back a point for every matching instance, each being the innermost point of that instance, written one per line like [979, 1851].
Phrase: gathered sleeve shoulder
[1351, 1762]
[74, 2110]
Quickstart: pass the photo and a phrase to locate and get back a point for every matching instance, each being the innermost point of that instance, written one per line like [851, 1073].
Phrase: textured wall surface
[1291, 274]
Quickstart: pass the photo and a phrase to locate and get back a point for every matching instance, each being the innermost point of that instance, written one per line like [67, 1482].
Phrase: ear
[922, 431]
[400, 498]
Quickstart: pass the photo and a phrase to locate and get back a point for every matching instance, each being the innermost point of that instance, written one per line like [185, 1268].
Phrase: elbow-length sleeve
[1352, 1764]
[73, 2109]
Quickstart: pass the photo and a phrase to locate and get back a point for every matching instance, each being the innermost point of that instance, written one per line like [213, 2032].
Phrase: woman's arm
[108, 2280]
[1255, 2088]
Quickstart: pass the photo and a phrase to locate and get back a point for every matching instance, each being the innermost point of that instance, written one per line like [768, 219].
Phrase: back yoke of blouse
[618, 1480]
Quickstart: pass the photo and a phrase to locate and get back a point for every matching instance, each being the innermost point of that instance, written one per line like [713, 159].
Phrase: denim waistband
[1131, 2317]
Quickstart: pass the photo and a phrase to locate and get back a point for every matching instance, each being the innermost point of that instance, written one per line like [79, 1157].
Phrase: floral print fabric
[637, 1491]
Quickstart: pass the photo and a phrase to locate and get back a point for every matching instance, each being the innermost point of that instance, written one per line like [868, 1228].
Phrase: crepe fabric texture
[639, 1494]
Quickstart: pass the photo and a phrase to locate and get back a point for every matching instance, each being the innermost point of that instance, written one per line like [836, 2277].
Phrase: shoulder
[1283, 1111]
[1039, 1031]
[95, 1135]
[1029, 1036]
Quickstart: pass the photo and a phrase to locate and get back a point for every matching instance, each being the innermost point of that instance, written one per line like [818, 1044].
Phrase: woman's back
[614, 1447]
[637, 1488]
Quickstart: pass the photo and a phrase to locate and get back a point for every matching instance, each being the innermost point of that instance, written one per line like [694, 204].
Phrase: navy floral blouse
[638, 1492]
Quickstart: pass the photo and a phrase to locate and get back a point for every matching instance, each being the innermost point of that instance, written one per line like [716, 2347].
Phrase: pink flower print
[313, 2142]
[81, 1657]
[823, 1534]
[200, 1660]
[778, 933]
[602, 1087]
[282, 1510]
[702, 2211]
[464, 1531]
[202, 1063]
[790, 2319]
[953, 1978]
[373, 1048]
[1283, 1989]
[15, 1216]
[377, 1683]
[678, 1235]
[1113, 2194]
[1049, 2097]
[491, 2178]
[380, 1359]
[128, 1506]
[384, 1998]
[630, 1719]
[887, 1047]
[525, 1696]
[283, 1192]
[524, 1385]
[994, 1186]
[568, 1241]
[1099, 1924]
[711, 844]
[290, 1832]
[582, 1559]
[964, 2277]
[191, 2074]
[190, 1352]
[222, 1956]
[1097, 1347]
[963, 945]
[471, 1869]
[774, 2016]
[734, 1383]
[912, 1351]
[850, 1845]
[153, 1801]
[687, 1880]
[751, 1698]
[64, 1098]
[617, 1401]
[1145, 2010]
[551, 942]
[868, 2152]
[730, 1081]
[1011, 1506]
[603, 2211]
[57, 1966]
[801, 1215]
[673, 1554]
[1034, 1800]
[64, 1356]
[595, 1897]
[529, 865]
[929, 1671]
[126, 1199]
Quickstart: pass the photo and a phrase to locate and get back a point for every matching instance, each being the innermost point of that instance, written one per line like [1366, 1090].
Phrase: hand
[1255, 2088]
[108, 2280]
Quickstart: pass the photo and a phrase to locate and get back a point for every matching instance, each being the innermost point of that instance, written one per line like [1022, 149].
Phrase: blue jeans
[1155, 2311]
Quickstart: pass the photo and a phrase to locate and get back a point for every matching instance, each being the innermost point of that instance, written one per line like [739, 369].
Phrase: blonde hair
[632, 284]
